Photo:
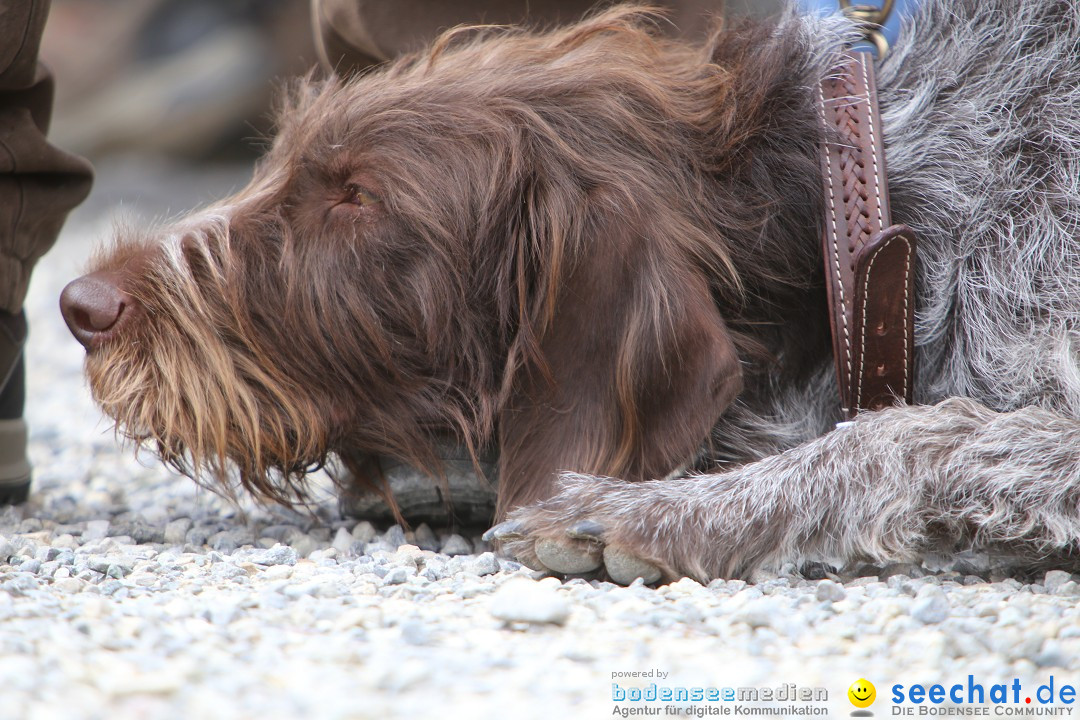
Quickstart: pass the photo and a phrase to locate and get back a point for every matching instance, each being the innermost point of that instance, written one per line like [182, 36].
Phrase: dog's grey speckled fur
[981, 105]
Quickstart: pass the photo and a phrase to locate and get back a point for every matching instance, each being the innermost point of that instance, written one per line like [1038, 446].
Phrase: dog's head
[518, 239]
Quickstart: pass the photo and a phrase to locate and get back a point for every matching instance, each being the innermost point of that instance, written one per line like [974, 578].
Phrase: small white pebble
[930, 605]
[523, 600]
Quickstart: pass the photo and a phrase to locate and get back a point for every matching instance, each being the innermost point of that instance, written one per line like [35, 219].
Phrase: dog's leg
[892, 485]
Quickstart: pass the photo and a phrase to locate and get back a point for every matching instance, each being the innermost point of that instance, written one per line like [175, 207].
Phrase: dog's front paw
[592, 526]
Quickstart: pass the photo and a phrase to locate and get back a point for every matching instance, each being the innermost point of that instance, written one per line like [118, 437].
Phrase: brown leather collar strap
[869, 263]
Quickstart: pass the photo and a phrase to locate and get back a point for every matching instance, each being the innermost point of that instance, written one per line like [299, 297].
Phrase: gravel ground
[126, 592]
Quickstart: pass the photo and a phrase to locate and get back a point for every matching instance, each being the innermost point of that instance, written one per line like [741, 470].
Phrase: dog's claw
[586, 530]
[505, 531]
[568, 558]
[624, 568]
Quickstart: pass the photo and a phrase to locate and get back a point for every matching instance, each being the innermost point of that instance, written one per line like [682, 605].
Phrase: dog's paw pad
[568, 558]
[623, 568]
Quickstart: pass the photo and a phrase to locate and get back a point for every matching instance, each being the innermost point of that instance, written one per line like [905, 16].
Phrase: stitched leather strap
[869, 263]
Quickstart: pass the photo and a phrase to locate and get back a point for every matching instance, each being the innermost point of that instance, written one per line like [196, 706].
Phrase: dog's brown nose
[94, 306]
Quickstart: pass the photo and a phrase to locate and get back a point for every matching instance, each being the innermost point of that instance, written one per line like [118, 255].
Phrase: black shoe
[15, 468]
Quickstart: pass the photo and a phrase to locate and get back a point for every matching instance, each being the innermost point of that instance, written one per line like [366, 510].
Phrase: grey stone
[138, 530]
[527, 601]
[377, 546]
[425, 539]
[227, 541]
[30, 566]
[343, 541]
[277, 555]
[1069, 588]
[863, 580]
[96, 530]
[436, 569]
[46, 553]
[485, 564]
[394, 537]
[480, 545]
[102, 564]
[113, 587]
[227, 571]
[6, 549]
[1055, 579]
[398, 575]
[911, 570]
[30, 525]
[69, 585]
[930, 605]
[281, 533]
[304, 545]
[199, 535]
[415, 632]
[776, 586]
[223, 613]
[509, 566]
[176, 531]
[761, 575]
[364, 532]
[761, 613]
[1050, 655]
[408, 555]
[272, 601]
[89, 575]
[19, 583]
[456, 545]
[729, 586]
[471, 589]
[902, 583]
[828, 591]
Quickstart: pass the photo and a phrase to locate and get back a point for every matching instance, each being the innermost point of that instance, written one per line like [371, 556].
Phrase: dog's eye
[359, 196]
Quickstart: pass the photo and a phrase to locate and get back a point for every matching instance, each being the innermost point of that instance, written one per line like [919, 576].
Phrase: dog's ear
[623, 366]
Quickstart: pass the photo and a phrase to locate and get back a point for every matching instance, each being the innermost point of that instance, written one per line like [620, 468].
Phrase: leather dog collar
[869, 263]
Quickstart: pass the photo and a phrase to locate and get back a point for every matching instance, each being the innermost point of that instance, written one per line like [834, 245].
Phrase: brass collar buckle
[871, 19]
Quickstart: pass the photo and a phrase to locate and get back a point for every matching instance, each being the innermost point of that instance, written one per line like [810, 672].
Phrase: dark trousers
[39, 184]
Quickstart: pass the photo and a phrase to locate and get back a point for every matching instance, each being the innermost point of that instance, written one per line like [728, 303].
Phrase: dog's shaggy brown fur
[566, 245]
[596, 251]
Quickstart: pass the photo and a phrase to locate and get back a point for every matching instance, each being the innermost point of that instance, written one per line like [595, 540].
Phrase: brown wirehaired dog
[597, 250]
[503, 239]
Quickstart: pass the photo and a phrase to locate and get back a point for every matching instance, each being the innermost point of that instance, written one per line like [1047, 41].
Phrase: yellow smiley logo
[862, 693]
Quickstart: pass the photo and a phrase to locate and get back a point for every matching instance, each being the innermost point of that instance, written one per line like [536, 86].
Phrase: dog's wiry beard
[201, 392]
